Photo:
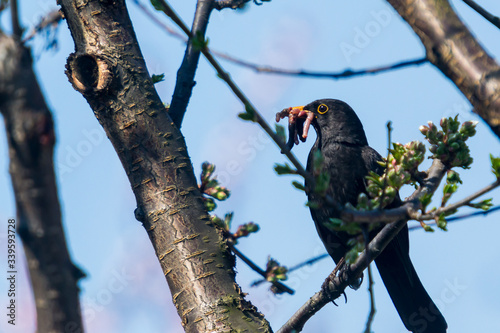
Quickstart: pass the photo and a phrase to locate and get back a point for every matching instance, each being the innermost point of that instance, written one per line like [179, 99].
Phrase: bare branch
[464, 202]
[495, 20]
[31, 139]
[51, 19]
[348, 73]
[162, 25]
[410, 209]
[280, 286]
[460, 217]
[371, 314]
[185, 75]
[457, 54]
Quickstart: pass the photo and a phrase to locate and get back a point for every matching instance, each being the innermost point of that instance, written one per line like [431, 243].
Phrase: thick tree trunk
[109, 70]
[455, 52]
[30, 135]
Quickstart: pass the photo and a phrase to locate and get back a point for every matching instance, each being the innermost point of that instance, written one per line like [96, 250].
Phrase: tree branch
[371, 314]
[350, 274]
[457, 54]
[53, 18]
[280, 286]
[109, 70]
[465, 201]
[484, 13]
[460, 217]
[348, 73]
[31, 138]
[185, 75]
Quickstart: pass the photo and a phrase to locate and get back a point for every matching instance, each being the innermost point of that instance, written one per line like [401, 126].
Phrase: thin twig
[308, 262]
[495, 20]
[459, 217]
[51, 19]
[158, 22]
[241, 96]
[348, 73]
[259, 270]
[389, 131]
[460, 203]
[371, 314]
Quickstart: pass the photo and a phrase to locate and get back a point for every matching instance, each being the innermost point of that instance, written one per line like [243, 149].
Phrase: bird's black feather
[348, 159]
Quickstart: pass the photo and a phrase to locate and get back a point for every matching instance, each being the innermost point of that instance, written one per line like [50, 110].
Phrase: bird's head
[332, 119]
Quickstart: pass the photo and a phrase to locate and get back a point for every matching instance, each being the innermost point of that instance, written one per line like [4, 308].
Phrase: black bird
[348, 159]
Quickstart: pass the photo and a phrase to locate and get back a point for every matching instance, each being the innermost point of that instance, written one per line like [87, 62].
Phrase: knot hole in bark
[88, 72]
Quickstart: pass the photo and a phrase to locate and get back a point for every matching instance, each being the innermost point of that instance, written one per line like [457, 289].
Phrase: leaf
[442, 223]
[246, 116]
[425, 200]
[484, 205]
[298, 186]
[158, 78]
[495, 166]
[284, 169]
[157, 5]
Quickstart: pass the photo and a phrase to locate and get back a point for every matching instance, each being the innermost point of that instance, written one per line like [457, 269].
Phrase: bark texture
[454, 51]
[109, 70]
[30, 136]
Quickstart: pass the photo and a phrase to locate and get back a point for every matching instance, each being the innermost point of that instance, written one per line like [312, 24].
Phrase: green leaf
[426, 227]
[425, 200]
[495, 166]
[442, 223]
[298, 186]
[157, 5]
[448, 190]
[284, 169]
[246, 116]
[210, 204]
[484, 205]
[158, 78]
[312, 204]
[228, 218]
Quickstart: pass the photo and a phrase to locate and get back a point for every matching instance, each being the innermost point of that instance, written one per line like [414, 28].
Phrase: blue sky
[126, 290]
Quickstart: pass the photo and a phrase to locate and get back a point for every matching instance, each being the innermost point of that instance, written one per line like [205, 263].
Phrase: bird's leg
[325, 286]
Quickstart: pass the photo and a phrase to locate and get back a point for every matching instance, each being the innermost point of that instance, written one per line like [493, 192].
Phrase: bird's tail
[415, 307]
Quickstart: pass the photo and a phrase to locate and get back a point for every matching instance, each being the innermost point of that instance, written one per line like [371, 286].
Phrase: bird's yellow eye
[322, 109]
